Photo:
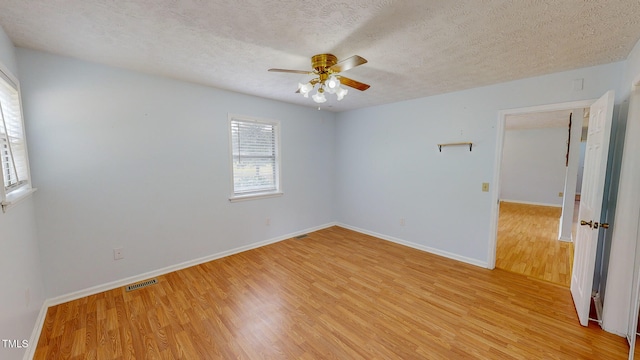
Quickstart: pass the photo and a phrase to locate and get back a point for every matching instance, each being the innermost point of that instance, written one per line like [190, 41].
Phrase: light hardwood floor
[528, 243]
[335, 294]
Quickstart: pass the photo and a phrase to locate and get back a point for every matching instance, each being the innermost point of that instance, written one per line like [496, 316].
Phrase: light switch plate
[485, 187]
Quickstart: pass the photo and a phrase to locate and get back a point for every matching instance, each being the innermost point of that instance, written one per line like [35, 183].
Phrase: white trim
[632, 325]
[413, 245]
[10, 76]
[237, 198]
[132, 279]
[278, 171]
[37, 329]
[531, 203]
[16, 197]
[11, 198]
[550, 107]
[623, 233]
[495, 209]
[123, 282]
[565, 239]
[495, 194]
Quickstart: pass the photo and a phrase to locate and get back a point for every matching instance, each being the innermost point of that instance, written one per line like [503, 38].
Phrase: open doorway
[591, 215]
[501, 125]
[537, 195]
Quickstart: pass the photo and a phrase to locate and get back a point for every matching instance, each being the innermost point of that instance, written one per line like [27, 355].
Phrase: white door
[595, 168]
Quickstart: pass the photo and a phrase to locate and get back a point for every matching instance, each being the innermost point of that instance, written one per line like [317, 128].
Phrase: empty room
[296, 180]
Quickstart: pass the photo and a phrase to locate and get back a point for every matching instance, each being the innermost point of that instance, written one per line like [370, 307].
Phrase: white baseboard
[428, 249]
[126, 281]
[615, 331]
[35, 335]
[136, 278]
[565, 238]
[530, 203]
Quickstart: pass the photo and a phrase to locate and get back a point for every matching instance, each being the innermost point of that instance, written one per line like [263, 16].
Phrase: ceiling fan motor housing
[321, 63]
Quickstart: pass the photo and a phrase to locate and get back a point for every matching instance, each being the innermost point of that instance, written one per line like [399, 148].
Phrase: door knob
[589, 223]
[603, 225]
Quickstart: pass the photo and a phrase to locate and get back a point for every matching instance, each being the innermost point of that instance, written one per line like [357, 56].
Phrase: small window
[255, 157]
[13, 148]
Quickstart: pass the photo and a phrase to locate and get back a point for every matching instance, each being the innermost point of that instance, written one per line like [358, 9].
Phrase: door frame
[495, 196]
[635, 285]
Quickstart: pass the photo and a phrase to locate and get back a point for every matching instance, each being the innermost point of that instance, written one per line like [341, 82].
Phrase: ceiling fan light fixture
[326, 72]
[341, 92]
[305, 89]
[333, 84]
[319, 97]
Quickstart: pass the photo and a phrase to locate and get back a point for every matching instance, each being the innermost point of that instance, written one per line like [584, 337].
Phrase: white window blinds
[254, 148]
[12, 144]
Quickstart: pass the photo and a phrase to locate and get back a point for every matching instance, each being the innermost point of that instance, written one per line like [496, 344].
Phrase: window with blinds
[255, 158]
[13, 152]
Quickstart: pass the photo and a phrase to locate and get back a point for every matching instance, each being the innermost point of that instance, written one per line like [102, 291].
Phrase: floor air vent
[301, 236]
[140, 285]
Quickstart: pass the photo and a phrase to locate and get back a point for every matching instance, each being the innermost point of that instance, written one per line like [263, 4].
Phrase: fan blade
[348, 63]
[292, 71]
[354, 84]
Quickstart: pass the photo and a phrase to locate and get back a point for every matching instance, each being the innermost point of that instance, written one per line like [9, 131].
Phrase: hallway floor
[528, 243]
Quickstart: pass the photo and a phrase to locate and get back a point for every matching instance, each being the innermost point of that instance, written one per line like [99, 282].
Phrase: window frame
[235, 196]
[11, 197]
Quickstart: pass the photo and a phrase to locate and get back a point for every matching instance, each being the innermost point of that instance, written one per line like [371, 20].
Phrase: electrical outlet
[402, 222]
[485, 187]
[560, 194]
[267, 221]
[118, 254]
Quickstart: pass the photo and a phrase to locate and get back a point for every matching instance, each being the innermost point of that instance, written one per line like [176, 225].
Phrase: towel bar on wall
[455, 144]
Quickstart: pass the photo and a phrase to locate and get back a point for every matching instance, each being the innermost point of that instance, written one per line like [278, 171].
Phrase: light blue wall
[533, 166]
[390, 167]
[19, 257]
[7, 53]
[631, 71]
[124, 159]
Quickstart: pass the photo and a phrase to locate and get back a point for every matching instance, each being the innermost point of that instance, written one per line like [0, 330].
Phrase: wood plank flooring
[528, 243]
[335, 294]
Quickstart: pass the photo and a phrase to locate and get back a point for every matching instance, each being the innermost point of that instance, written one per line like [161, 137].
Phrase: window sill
[16, 197]
[255, 196]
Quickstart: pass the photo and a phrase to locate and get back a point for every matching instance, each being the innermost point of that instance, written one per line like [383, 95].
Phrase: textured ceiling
[415, 48]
